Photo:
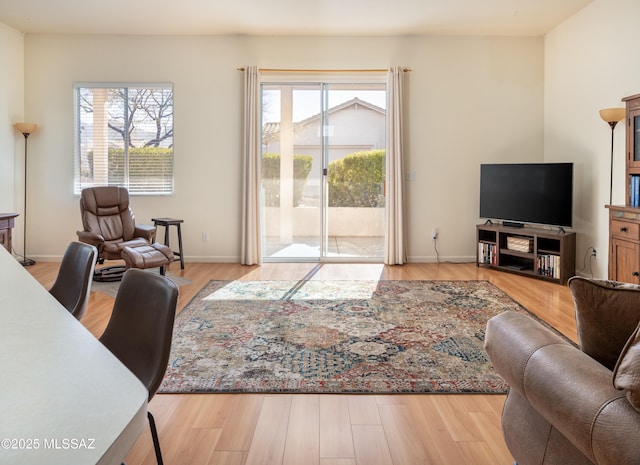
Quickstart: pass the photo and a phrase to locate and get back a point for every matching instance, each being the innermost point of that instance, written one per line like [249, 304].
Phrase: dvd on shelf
[487, 253]
[549, 265]
[634, 190]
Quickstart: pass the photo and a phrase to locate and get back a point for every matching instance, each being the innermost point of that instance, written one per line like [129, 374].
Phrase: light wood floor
[306, 429]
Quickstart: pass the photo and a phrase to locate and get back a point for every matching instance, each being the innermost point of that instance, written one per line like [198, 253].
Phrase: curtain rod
[284, 70]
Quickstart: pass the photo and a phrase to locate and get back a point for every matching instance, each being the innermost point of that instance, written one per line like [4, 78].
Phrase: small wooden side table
[6, 225]
[166, 222]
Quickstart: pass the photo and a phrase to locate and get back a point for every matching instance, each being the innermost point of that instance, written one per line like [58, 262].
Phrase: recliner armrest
[572, 391]
[90, 238]
[145, 230]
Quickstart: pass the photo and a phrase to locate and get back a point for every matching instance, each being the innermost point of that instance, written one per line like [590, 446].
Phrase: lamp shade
[25, 128]
[612, 115]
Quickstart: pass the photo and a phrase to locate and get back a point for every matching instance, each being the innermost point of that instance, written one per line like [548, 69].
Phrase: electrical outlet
[205, 236]
[593, 254]
[434, 234]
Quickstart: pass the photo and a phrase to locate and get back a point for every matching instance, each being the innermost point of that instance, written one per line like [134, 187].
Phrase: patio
[365, 248]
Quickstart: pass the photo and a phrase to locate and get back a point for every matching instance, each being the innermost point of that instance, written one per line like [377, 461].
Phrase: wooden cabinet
[624, 220]
[624, 244]
[632, 145]
[632, 124]
[6, 225]
[539, 253]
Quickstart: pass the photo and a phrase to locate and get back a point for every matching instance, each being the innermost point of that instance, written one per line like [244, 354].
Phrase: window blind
[124, 137]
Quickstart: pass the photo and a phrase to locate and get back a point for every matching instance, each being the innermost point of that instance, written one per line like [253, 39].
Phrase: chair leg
[154, 435]
[163, 270]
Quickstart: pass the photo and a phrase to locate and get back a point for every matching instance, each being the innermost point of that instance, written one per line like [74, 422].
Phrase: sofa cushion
[606, 314]
[626, 375]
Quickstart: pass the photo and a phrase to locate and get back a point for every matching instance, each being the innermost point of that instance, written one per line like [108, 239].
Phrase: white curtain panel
[395, 247]
[251, 253]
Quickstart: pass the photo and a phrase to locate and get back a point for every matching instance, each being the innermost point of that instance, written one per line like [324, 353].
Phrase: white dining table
[64, 398]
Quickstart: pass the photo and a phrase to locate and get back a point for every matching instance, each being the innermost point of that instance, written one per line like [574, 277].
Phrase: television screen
[540, 193]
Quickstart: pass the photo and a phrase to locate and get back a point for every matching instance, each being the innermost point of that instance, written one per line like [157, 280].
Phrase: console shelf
[539, 253]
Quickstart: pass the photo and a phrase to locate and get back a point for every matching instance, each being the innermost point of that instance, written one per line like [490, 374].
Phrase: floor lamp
[26, 129]
[612, 116]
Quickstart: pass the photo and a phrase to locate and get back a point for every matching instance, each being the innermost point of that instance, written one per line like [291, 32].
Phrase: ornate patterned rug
[336, 337]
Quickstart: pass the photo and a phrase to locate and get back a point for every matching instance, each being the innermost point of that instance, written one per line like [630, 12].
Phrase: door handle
[635, 274]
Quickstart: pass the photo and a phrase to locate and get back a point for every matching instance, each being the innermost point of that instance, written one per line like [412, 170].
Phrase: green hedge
[140, 161]
[357, 180]
[271, 177]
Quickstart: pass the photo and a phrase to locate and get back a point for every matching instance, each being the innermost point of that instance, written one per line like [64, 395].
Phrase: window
[323, 170]
[124, 137]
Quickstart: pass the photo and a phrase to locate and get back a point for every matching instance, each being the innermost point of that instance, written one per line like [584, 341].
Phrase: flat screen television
[517, 193]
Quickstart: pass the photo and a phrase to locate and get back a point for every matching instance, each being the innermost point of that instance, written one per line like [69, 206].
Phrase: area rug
[336, 337]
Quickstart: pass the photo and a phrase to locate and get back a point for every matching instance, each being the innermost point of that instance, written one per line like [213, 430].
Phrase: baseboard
[210, 259]
[236, 259]
[187, 259]
[441, 259]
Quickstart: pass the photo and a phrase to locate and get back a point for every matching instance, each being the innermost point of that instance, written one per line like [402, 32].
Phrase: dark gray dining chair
[140, 329]
[73, 283]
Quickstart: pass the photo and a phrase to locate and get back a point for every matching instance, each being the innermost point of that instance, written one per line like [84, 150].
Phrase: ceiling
[289, 17]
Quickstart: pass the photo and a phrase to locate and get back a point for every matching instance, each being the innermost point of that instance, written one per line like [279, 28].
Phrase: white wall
[472, 100]
[591, 63]
[11, 111]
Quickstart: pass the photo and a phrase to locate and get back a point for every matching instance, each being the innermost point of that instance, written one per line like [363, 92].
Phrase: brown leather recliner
[568, 404]
[109, 225]
[108, 222]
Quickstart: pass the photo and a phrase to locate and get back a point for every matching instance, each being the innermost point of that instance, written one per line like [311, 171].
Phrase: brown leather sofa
[568, 404]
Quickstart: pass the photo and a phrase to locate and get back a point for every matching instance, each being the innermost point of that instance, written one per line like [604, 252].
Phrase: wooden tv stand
[538, 253]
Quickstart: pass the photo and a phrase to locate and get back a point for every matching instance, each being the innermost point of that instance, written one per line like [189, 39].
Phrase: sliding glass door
[323, 171]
